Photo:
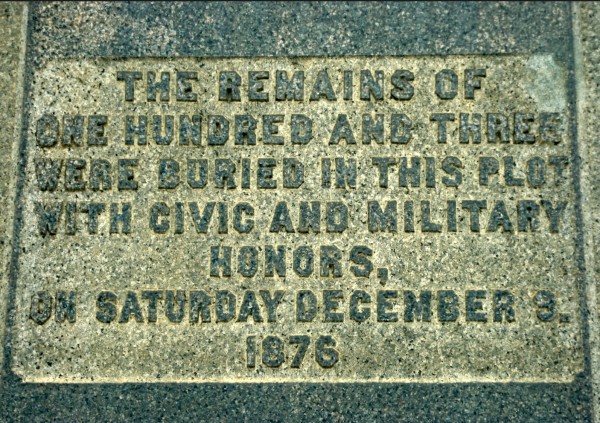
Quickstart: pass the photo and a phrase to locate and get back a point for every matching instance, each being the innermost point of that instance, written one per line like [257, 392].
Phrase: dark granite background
[297, 29]
[122, 30]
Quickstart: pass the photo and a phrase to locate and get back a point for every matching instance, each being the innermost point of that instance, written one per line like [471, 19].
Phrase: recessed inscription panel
[306, 219]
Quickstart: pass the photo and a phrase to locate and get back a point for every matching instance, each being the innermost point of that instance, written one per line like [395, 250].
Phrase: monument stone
[299, 212]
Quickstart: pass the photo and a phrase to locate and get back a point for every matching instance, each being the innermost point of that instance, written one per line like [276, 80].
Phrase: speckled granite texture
[587, 53]
[12, 34]
[88, 31]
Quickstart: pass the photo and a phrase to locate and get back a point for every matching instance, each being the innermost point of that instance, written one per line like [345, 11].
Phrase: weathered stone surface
[312, 199]
[513, 245]
[587, 46]
[12, 49]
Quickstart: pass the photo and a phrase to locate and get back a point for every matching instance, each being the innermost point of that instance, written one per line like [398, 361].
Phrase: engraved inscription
[298, 219]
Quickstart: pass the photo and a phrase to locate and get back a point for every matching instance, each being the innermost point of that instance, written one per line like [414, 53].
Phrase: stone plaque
[299, 212]
[312, 219]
